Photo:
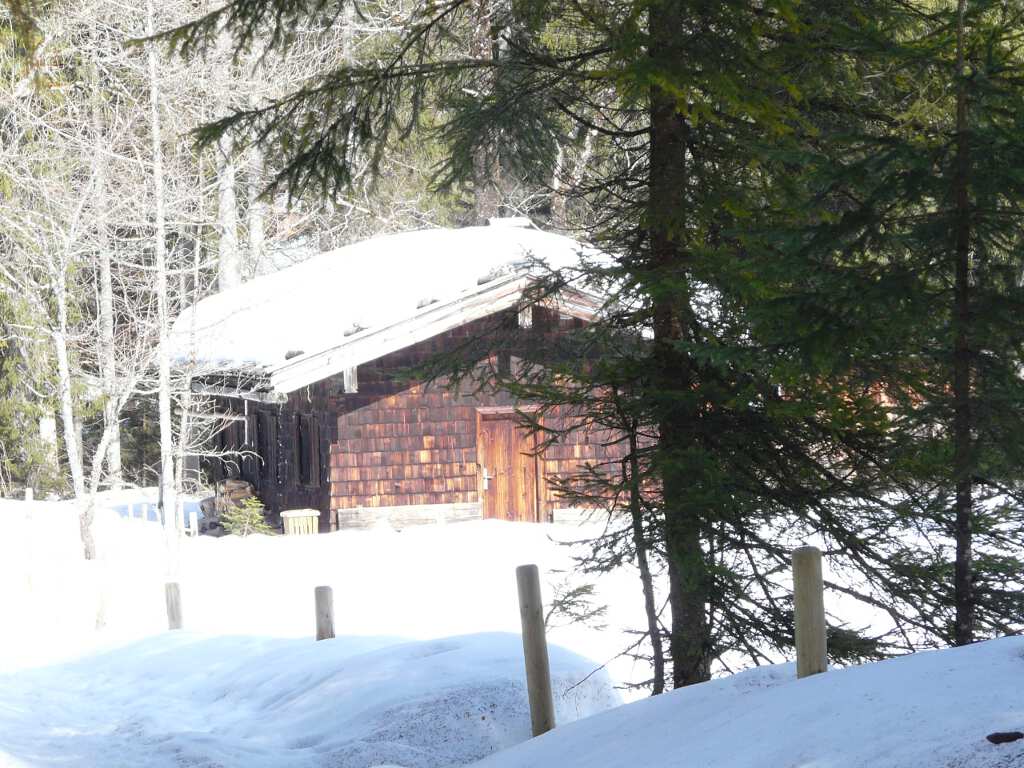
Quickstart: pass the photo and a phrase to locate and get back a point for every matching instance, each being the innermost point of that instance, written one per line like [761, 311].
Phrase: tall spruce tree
[911, 203]
[681, 93]
[758, 259]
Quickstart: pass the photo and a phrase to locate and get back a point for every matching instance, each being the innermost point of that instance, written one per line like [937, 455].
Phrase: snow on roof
[332, 297]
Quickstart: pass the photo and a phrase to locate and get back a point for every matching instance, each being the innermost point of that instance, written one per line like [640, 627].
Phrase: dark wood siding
[282, 449]
[393, 443]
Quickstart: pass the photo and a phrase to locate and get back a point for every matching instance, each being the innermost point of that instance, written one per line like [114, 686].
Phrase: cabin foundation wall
[399, 517]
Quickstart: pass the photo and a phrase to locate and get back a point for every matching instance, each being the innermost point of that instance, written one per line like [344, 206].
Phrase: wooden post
[535, 650]
[324, 597]
[172, 593]
[193, 522]
[809, 610]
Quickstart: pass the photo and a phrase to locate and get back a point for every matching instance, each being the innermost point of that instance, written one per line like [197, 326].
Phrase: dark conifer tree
[912, 204]
[770, 208]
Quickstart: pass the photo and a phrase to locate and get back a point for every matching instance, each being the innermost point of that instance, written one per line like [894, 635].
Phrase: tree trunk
[558, 201]
[257, 211]
[687, 568]
[69, 421]
[67, 412]
[167, 489]
[640, 544]
[108, 358]
[963, 459]
[67, 405]
[229, 264]
[111, 414]
[486, 164]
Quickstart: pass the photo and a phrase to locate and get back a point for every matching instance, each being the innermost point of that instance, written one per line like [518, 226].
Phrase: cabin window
[250, 449]
[265, 472]
[281, 453]
[230, 443]
[307, 450]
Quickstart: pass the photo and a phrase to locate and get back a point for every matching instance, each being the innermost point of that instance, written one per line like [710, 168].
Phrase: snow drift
[181, 699]
[929, 710]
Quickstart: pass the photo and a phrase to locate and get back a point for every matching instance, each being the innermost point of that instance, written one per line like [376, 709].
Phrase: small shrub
[246, 518]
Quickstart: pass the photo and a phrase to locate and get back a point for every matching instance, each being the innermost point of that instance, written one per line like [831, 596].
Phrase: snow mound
[418, 584]
[929, 710]
[182, 699]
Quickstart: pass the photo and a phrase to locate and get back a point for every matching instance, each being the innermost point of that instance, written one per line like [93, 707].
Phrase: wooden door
[508, 468]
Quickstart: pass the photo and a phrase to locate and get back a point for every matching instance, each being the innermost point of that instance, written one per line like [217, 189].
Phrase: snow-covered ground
[417, 584]
[182, 699]
[930, 710]
[427, 668]
[426, 671]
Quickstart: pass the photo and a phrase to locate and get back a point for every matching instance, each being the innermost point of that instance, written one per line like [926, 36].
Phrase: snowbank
[929, 710]
[427, 670]
[181, 699]
[417, 584]
[57, 605]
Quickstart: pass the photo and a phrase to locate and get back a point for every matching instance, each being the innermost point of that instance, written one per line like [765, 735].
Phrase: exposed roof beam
[274, 398]
[350, 380]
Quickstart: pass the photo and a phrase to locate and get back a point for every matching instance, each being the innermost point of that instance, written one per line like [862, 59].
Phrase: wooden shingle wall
[393, 443]
[400, 444]
[414, 447]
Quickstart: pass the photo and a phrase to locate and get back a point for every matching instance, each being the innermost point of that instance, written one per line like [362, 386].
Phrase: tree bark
[257, 214]
[65, 395]
[963, 449]
[229, 264]
[640, 544]
[486, 164]
[108, 358]
[689, 643]
[167, 489]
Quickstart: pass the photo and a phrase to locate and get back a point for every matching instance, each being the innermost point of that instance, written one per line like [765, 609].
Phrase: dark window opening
[307, 450]
[281, 454]
[262, 475]
[302, 449]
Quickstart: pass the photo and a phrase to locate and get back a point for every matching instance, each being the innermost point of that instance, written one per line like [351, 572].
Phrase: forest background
[813, 328]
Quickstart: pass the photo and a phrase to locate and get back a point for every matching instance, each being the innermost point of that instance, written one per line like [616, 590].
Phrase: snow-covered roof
[347, 306]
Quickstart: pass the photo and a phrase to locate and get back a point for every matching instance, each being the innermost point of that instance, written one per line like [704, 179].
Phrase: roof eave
[493, 296]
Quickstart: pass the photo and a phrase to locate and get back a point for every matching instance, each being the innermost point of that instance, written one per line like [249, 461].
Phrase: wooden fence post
[324, 598]
[809, 610]
[535, 650]
[172, 594]
[193, 522]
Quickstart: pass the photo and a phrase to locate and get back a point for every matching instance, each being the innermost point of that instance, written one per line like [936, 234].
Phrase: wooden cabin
[308, 368]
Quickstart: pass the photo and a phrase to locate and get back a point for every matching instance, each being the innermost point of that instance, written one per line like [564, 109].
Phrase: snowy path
[186, 700]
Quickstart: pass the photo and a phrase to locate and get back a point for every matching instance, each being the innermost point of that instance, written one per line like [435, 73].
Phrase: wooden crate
[300, 521]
